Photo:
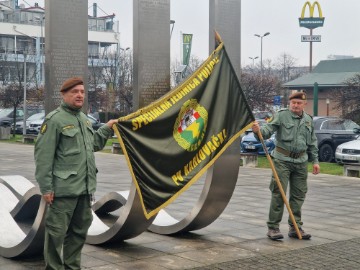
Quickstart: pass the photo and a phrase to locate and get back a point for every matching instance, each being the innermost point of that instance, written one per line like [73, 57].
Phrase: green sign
[187, 39]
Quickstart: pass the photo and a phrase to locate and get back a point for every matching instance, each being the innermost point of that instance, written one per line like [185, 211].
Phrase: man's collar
[69, 108]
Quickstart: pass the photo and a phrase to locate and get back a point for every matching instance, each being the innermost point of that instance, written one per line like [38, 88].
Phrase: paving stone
[236, 240]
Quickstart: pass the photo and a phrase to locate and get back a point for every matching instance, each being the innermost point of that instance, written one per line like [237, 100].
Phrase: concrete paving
[236, 240]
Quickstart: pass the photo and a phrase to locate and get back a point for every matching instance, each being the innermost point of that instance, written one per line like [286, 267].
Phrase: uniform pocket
[287, 132]
[64, 174]
[70, 143]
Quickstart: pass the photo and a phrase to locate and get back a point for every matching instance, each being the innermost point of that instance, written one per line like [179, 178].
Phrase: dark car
[249, 144]
[20, 124]
[94, 122]
[7, 116]
[331, 132]
[266, 115]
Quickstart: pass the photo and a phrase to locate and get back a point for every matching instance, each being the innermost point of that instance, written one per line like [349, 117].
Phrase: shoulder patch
[270, 119]
[43, 128]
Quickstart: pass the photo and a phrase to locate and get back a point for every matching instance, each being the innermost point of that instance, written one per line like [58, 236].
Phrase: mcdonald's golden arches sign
[311, 22]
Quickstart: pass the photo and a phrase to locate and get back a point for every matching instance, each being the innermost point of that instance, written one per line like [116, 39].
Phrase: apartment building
[22, 36]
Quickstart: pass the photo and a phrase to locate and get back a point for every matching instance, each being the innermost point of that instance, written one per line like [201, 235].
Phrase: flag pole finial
[218, 39]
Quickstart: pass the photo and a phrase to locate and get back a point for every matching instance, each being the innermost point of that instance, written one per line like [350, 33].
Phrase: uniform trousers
[67, 222]
[294, 175]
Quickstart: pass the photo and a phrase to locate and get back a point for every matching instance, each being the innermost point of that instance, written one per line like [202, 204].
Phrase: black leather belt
[289, 153]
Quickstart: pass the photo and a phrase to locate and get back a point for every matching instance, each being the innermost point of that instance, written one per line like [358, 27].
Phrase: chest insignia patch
[67, 127]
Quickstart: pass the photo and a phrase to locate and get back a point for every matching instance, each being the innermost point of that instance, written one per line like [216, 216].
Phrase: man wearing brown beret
[296, 144]
[66, 173]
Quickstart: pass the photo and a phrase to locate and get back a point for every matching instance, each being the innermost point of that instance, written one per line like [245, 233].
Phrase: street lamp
[172, 22]
[261, 37]
[25, 105]
[41, 20]
[253, 59]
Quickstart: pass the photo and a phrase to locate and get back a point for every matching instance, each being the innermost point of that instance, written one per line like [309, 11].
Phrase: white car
[348, 153]
[34, 126]
[19, 125]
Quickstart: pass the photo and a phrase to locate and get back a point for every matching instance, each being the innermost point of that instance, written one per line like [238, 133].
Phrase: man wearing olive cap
[66, 173]
[296, 144]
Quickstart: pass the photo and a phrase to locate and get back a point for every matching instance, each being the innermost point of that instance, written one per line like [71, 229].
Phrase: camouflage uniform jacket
[64, 153]
[294, 134]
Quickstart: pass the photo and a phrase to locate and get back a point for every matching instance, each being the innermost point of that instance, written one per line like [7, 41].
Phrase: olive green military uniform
[296, 143]
[65, 165]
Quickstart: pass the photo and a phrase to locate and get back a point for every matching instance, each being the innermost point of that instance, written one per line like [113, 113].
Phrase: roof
[328, 73]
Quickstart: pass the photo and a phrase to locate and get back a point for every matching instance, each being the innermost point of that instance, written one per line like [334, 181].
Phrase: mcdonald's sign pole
[311, 22]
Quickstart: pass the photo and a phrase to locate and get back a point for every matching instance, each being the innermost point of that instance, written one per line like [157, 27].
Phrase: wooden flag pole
[283, 195]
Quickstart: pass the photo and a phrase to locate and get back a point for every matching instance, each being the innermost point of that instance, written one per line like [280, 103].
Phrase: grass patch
[325, 167]
[111, 141]
[16, 139]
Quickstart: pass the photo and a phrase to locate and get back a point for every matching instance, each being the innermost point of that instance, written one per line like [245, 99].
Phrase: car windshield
[338, 124]
[93, 121]
[36, 116]
[263, 115]
[5, 112]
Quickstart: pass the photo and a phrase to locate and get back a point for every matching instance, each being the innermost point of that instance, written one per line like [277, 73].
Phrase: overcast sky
[339, 35]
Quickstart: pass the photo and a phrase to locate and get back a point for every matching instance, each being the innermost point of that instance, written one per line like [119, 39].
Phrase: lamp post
[327, 106]
[261, 38]
[25, 105]
[253, 60]
[41, 20]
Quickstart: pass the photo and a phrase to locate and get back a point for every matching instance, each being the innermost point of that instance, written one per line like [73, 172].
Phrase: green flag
[170, 143]
[187, 39]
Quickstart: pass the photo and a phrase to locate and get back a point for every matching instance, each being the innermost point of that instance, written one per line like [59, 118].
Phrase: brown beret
[298, 95]
[70, 83]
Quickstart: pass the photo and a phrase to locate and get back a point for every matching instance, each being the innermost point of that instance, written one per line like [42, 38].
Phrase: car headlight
[338, 150]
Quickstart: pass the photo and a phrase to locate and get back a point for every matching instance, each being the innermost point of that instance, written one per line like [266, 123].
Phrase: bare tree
[110, 81]
[5, 69]
[348, 98]
[260, 90]
[13, 91]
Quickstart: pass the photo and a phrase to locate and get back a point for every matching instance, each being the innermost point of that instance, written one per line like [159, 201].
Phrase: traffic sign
[311, 38]
[277, 100]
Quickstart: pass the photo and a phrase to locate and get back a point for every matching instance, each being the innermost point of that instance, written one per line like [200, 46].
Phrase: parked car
[331, 132]
[266, 115]
[348, 153]
[249, 144]
[7, 116]
[34, 126]
[94, 122]
[20, 124]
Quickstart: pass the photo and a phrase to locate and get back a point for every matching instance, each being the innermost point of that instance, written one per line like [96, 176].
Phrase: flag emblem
[190, 125]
